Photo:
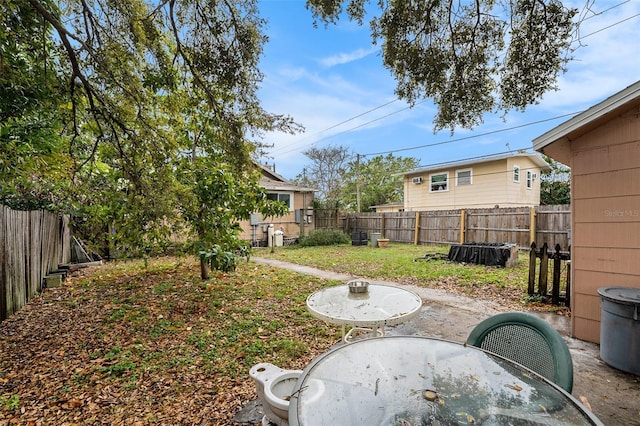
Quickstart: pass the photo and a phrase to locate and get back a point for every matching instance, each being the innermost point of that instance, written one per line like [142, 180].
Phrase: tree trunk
[204, 269]
[204, 266]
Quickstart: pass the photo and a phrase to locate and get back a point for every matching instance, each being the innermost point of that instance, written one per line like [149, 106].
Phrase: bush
[324, 237]
[223, 260]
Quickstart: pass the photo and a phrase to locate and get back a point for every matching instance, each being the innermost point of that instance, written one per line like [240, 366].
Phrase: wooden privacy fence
[327, 219]
[517, 225]
[557, 257]
[32, 244]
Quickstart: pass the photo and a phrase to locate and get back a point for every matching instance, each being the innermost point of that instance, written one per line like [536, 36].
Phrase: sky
[331, 81]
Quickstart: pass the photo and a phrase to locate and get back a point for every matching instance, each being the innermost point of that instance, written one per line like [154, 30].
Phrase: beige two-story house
[506, 181]
[299, 221]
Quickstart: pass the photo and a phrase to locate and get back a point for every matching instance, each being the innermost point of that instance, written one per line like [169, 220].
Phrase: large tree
[326, 173]
[34, 170]
[555, 184]
[138, 86]
[102, 100]
[469, 56]
[374, 181]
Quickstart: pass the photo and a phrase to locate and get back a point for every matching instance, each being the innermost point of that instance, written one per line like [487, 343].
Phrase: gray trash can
[620, 328]
[375, 236]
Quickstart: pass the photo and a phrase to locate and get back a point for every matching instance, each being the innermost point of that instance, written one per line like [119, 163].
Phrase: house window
[529, 180]
[439, 182]
[281, 197]
[516, 173]
[463, 177]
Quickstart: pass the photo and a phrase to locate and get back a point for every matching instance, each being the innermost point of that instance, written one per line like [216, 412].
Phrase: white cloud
[348, 81]
[606, 60]
[292, 73]
[345, 58]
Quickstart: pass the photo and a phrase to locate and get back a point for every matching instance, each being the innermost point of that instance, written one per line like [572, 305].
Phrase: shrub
[223, 260]
[324, 237]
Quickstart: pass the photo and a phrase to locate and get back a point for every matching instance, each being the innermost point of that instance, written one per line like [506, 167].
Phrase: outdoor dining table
[370, 311]
[412, 380]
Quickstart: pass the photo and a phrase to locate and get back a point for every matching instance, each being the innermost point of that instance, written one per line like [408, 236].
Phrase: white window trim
[290, 194]
[439, 174]
[529, 179]
[516, 173]
[470, 170]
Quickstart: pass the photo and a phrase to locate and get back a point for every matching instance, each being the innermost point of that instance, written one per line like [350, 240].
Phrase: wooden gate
[560, 259]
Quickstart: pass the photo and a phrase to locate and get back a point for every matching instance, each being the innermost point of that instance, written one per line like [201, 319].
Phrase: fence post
[555, 291]
[3, 261]
[382, 225]
[532, 224]
[532, 269]
[463, 226]
[416, 232]
[568, 297]
[544, 270]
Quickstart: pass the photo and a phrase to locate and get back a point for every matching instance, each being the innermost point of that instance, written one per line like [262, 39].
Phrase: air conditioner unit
[416, 180]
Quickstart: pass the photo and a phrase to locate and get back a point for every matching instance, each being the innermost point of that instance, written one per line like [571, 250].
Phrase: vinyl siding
[605, 168]
[492, 184]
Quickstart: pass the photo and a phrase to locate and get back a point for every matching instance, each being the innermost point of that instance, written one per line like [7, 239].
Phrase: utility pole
[358, 182]
[303, 213]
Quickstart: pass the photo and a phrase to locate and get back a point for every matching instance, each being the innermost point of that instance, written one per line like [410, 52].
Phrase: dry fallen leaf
[429, 395]
[585, 402]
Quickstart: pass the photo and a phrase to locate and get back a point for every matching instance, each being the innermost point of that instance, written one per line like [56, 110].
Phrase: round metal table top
[412, 380]
[380, 305]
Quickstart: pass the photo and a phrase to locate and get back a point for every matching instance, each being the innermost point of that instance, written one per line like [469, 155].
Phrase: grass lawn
[126, 343]
[397, 262]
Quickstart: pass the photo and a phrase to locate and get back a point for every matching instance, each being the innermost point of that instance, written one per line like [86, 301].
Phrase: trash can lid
[626, 295]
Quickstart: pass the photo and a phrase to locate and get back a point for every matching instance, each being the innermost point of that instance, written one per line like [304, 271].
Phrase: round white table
[370, 311]
[412, 380]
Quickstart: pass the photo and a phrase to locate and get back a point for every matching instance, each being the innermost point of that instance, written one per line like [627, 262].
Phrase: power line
[360, 125]
[473, 136]
[609, 26]
[337, 125]
[359, 115]
[280, 152]
[467, 159]
[595, 14]
[514, 127]
[373, 121]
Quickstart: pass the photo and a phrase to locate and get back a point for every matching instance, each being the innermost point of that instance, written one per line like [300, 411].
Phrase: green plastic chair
[529, 341]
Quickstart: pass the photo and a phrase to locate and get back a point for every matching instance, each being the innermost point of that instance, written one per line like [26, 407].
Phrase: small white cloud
[292, 73]
[345, 58]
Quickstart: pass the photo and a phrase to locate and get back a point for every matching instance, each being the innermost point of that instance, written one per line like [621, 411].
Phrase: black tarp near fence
[489, 254]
